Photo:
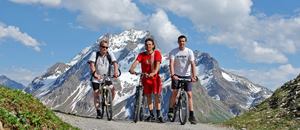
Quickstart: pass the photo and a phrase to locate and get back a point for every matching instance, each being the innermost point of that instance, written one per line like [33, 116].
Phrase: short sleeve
[172, 55]
[92, 57]
[139, 57]
[112, 56]
[157, 56]
[192, 57]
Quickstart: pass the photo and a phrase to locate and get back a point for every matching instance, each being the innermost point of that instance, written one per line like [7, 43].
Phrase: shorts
[152, 85]
[96, 86]
[187, 87]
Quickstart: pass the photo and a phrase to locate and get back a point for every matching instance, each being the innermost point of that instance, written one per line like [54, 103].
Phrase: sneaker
[170, 116]
[150, 118]
[160, 119]
[192, 119]
[99, 113]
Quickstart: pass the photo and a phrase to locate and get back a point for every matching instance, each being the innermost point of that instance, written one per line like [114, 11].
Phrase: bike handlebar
[187, 79]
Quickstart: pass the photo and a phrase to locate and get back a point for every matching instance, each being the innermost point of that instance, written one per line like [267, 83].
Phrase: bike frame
[181, 103]
[106, 97]
[139, 106]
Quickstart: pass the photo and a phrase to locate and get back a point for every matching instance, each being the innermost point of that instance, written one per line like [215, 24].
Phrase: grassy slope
[263, 117]
[22, 111]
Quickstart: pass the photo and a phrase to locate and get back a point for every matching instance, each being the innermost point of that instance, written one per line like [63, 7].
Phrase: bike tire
[142, 107]
[109, 109]
[101, 105]
[183, 108]
[137, 105]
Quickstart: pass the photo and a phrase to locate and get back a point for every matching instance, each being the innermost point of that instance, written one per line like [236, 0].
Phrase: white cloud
[230, 22]
[96, 14]
[272, 78]
[16, 34]
[20, 74]
[100, 13]
[163, 30]
[51, 3]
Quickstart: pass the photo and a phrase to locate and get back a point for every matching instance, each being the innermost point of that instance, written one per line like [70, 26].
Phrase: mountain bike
[181, 104]
[106, 96]
[139, 105]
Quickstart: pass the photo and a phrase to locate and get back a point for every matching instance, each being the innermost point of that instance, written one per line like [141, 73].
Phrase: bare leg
[96, 99]
[173, 98]
[190, 100]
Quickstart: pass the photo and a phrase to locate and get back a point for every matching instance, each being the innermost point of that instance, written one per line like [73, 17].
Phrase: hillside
[22, 111]
[280, 111]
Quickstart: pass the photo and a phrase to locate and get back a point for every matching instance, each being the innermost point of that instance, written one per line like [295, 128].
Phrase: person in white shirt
[182, 65]
[100, 64]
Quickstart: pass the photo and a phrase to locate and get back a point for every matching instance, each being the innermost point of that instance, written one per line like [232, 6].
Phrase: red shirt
[145, 60]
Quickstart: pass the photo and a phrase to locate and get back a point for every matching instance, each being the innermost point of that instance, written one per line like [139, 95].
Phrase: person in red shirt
[150, 63]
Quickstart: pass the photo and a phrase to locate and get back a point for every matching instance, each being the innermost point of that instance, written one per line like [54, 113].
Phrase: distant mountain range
[218, 96]
[5, 81]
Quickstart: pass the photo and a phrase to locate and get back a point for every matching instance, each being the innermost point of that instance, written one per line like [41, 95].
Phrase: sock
[170, 110]
[158, 113]
[151, 113]
[191, 113]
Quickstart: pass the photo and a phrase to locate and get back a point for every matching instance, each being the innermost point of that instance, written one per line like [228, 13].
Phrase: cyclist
[100, 63]
[182, 65]
[150, 63]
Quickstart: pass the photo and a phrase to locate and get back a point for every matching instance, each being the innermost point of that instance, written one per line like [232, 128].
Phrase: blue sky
[257, 39]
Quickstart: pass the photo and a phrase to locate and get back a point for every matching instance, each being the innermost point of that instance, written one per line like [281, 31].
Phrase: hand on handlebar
[194, 78]
[132, 71]
[175, 77]
[116, 75]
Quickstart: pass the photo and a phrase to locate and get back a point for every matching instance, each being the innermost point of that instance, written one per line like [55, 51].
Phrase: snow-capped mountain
[5, 81]
[66, 87]
[237, 92]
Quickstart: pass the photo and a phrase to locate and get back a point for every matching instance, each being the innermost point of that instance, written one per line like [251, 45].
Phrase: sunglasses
[104, 47]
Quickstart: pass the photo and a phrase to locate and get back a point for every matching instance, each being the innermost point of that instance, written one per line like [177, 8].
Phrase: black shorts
[95, 86]
[187, 87]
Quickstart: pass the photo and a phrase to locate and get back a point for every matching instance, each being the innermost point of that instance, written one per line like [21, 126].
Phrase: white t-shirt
[182, 61]
[102, 64]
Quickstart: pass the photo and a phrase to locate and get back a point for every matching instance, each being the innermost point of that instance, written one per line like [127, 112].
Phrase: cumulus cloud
[96, 14]
[230, 23]
[163, 30]
[100, 13]
[16, 34]
[51, 3]
[272, 78]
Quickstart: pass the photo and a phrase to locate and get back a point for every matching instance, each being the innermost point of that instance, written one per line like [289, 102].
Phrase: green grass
[19, 110]
[270, 114]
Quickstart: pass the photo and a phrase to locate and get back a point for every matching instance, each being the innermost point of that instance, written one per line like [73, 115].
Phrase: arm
[115, 69]
[156, 69]
[93, 70]
[131, 70]
[193, 66]
[172, 72]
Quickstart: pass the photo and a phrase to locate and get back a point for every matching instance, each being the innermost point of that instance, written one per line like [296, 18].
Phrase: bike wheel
[137, 105]
[101, 97]
[109, 111]
[183, 108]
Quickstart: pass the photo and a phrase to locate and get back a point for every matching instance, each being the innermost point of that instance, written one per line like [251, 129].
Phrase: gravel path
[102, 124]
